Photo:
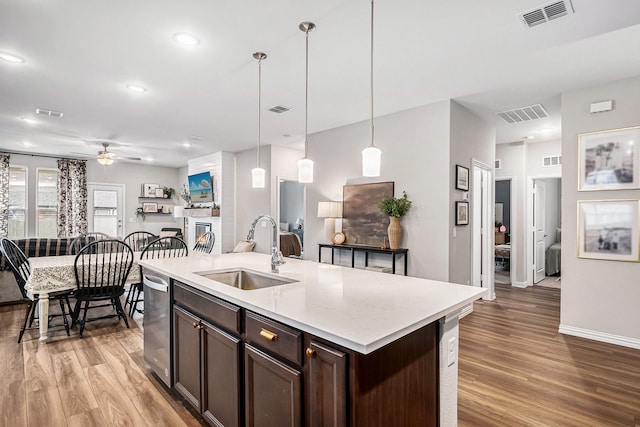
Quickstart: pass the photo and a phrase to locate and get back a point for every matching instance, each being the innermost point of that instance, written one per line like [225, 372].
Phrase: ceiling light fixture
[136, 88]
[257, 173]
[305, 165]
[105, 157]
[186, 144]
[529, 137]
[29, 120]
[186, 39]
[372, 154]
[11, 58]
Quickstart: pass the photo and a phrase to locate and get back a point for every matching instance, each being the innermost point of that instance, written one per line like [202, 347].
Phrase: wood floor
[515, 368]
[97, 380]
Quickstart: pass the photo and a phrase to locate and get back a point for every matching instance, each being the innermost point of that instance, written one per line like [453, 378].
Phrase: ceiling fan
[106, 157]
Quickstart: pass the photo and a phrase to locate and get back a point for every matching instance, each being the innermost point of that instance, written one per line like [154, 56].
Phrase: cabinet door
[186, 355]
[221, 377]
[273, 394]
[326, 386]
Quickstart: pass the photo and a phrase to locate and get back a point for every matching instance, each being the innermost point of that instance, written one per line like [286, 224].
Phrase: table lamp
[330, 211]
[178, 212]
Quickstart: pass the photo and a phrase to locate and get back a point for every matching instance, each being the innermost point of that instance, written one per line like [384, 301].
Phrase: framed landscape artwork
[363, 223]
[609, 160]
[150, 207]
[608, 229]
[462, 178]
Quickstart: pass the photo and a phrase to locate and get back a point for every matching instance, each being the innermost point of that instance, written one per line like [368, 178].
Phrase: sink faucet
[276, 256]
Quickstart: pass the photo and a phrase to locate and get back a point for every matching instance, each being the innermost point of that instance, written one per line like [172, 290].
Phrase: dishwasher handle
[155, 283]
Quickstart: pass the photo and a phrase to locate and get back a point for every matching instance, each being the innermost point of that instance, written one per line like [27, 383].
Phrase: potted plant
[140, 212]
[395, 208]
[168, 192]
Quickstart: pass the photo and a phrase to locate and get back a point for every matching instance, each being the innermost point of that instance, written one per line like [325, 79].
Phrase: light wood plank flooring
[97, 380]
[515, 368]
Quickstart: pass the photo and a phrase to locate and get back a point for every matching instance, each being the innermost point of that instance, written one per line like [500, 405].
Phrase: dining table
[51, 274]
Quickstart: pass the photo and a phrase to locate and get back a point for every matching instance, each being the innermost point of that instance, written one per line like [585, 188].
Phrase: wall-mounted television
[201, 188]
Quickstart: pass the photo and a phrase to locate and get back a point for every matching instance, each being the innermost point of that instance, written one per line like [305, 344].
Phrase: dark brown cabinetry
[326, 386]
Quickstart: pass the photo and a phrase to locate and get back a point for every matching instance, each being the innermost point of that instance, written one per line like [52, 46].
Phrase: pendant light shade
[257, 173]
[372, 155]
[305, 165]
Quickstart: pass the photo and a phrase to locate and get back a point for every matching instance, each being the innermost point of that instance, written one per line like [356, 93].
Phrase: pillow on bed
[243, 246]
[284, 226]
[558, 235]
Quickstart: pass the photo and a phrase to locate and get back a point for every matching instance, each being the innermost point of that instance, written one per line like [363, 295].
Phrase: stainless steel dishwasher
[157, 325]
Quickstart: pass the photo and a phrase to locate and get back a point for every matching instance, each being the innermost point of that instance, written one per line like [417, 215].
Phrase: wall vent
[278, 109]
[498, 164]
[546, 13]
[524, 114]
[552, 161]
[51, 113]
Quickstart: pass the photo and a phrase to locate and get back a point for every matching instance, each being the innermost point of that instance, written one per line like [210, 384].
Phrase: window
[17, 202]
[47, 210]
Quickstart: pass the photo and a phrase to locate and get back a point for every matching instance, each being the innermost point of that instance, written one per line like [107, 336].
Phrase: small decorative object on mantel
[168, 192]
[395, 208]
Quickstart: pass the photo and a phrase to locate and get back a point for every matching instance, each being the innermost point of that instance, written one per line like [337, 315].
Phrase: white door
[105, 209]
[538, 230]
[482, 228]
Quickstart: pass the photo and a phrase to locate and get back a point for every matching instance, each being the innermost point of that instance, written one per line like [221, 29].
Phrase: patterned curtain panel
[4, 195]
[72, 197]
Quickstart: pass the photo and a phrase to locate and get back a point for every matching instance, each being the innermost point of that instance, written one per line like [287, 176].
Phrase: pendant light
[305, 165]
[371, 155]
[257, 173]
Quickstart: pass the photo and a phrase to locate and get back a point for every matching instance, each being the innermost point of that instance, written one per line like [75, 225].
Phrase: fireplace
[201, 228]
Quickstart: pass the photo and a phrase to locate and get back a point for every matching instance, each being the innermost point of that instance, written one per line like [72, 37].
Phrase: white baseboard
[466, 311]
[519, 284]
[600, 336]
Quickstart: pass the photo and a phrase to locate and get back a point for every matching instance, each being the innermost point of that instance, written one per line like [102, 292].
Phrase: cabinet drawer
[208, 307]
[275, 337]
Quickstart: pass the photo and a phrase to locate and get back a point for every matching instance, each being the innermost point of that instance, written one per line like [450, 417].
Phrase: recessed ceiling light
[186, 144]
[546, 130]
[186, 39]
[136, 88]
[148, 159]
[529, 137]
[10, 58]
[29, 120]
[26, 144]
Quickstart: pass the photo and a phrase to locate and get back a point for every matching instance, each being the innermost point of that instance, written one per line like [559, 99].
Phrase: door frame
[483, 260]
[124, 201]
[279, 180]
[529, 225]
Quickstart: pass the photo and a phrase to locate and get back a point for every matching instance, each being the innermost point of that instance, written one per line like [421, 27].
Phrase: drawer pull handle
[268, 335]
[310, 352]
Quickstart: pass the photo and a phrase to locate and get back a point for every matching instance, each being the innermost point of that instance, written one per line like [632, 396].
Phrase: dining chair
[164, 247]
[84, 239]
[205, 242]
[138, 240]
[101, 270]
[19, 264]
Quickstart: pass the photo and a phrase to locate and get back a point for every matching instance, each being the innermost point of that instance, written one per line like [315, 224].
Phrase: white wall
[132, 175]
[471, 138]
[536, 151]
[599, 298]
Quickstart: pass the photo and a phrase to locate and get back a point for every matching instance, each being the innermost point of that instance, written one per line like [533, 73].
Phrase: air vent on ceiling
[278, 109]
[552, 161]
[546, 13]
[524, 114]
[498, 164]
[51, 113]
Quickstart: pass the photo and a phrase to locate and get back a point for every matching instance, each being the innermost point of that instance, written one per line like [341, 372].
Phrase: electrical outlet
[451, 351]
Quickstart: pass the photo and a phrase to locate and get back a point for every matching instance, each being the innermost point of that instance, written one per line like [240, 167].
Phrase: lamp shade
[105, 160]
[178, 211]
[329, 209]
[257, 177]
[305, 170]
[371, 161]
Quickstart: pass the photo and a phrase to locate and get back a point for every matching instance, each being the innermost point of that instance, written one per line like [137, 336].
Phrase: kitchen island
[341, 346]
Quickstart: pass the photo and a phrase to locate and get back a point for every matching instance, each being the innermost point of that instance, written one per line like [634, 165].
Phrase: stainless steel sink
[246, 279]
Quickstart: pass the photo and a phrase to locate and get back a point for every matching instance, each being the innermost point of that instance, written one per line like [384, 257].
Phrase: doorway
[105, 209]
[503, 230]
[291, 194]
[482, 201]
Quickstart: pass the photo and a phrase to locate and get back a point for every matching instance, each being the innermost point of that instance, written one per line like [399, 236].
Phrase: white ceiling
[81, 54]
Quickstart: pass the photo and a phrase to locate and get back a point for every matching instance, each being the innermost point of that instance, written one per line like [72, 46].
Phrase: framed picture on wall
[609, 160]
[462, 178]
[608, 229]
[462, 213]
[149, 190]
[150, 207]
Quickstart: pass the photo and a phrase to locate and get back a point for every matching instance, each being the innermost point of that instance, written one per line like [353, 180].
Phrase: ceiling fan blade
[130, 158]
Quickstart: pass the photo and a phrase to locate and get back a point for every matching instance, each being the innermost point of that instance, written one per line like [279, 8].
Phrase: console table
[367, 250]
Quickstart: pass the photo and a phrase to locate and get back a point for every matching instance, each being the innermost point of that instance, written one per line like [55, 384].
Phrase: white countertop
[360, 310]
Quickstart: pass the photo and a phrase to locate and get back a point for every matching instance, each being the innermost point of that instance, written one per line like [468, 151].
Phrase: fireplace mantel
[201, 212]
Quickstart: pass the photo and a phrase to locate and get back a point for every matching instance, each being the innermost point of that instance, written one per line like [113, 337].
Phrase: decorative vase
[395, 232]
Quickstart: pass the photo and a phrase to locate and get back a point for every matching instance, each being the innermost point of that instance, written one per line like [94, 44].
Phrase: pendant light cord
[259, 107]
[372, 73]
[306, 96]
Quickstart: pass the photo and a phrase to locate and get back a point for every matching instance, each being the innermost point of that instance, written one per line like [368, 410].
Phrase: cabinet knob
[310, 352]
[200, 327]
[268, 335]
[195, 324]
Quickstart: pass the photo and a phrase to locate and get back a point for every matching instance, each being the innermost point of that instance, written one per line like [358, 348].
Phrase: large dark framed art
[363, 223]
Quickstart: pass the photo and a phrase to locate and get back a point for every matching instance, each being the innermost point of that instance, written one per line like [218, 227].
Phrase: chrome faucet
[276, 256]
